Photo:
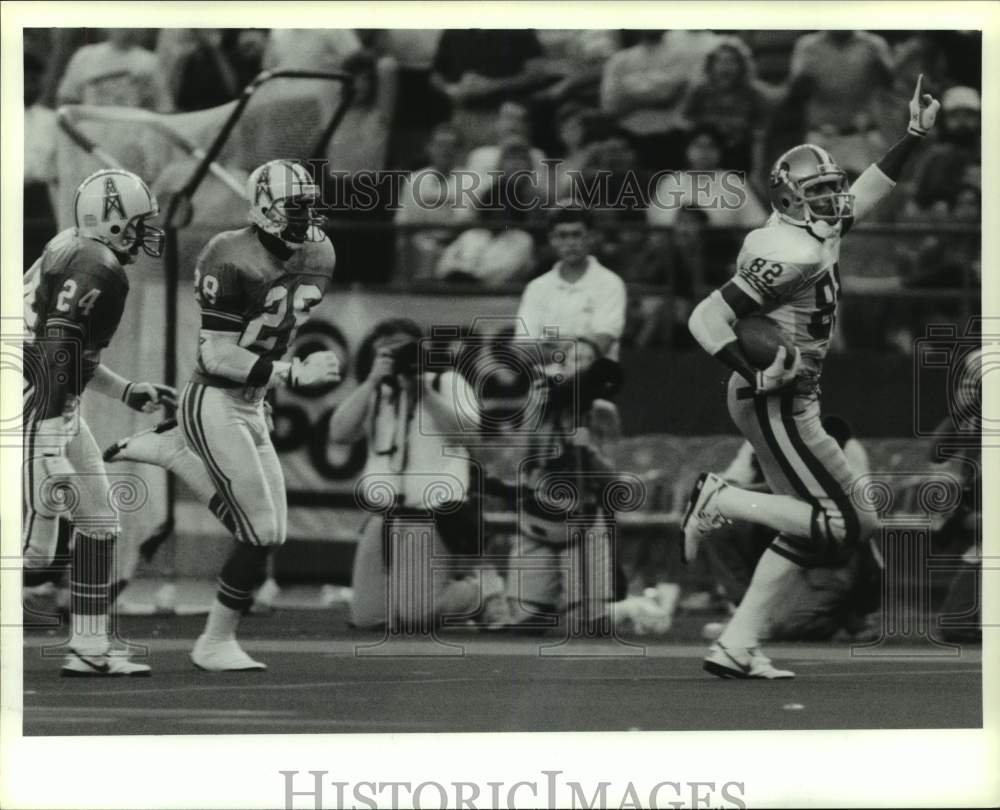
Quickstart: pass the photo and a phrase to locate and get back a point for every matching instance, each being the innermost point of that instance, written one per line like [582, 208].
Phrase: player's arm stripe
[65, 323]
[741, 301]
[194, 430]
[834, 491]
[215, 321]
[751, 287]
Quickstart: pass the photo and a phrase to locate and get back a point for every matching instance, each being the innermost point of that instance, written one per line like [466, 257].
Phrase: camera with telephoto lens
[602, 379]
[406, 359]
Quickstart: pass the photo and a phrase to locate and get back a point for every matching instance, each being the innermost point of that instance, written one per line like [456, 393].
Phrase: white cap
[958, 98]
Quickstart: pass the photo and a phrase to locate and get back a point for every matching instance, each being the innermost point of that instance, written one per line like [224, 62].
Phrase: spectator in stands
[920, 54]
[244, 47]
[577, 57]
[430, 198]
[580, 130]
[685, 262]
[419, 107]
[956, 157]
[204, 77]
[512, 123]
[840, 80]
[622, 194]
[117, 72]
[498, 252]
[356, 157]
[478, 69]
[945, 260]
[310, 48]
[724, 196]
[644, 88]
[728, 97]
[40, 177]
[361, 141]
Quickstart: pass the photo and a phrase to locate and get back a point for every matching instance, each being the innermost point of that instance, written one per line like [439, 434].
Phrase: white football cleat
[745, 663]
[702, 514]
[155, 445]
[110, 664]
[223, 656]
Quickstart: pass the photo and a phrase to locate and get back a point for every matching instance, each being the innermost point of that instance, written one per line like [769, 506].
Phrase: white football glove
[776, 376]
[923, 110]
[149, 397]
[319, 368]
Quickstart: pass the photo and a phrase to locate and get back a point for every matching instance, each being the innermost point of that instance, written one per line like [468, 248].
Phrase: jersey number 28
[276, 323]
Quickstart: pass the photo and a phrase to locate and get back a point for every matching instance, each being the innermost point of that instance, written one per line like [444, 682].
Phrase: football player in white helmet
[74, 296]
[256, 287]
[789, 270]
[283, 201]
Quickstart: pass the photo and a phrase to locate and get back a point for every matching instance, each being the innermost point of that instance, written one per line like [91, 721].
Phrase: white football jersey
[794, 276]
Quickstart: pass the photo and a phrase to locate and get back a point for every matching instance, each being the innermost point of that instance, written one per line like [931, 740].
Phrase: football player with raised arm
[255, 287]
[788, 270]
[74, 297]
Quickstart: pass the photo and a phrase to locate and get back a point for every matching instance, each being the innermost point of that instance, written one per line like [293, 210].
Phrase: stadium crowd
[623, 104]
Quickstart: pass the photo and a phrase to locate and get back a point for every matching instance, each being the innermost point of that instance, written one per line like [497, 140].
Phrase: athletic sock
[89, 579]
[754, 612]
[218, 507]
[783, 513]
[243, 572]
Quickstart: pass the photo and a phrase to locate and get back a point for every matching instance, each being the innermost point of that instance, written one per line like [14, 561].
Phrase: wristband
[260, 374]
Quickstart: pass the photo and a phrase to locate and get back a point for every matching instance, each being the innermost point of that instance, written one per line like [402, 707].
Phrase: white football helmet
[282, 198]
[808, 188]
[112, 206]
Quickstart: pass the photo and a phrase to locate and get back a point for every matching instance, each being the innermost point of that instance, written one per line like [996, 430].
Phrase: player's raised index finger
[920, 86]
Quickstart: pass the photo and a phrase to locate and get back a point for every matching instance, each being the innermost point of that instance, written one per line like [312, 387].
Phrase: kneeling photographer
[563, 561]
[416, 471]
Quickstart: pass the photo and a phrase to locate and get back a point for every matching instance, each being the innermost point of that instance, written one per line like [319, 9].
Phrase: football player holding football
[74, 297]
[255, 287]
[788, 269]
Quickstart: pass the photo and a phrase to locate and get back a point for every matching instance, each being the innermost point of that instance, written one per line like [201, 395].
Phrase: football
[760, 338]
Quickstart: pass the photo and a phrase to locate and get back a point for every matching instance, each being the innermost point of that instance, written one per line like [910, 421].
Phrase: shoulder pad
[321, 256]
[96, 258]
[783, 243]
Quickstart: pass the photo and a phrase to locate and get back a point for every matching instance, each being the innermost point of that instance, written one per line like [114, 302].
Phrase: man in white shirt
[578, 299]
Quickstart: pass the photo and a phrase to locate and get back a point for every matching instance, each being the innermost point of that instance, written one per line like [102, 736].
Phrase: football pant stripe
[764, 420]
[26, 537]
[191, 401]
[824, 478]
[222, 482]
[34, 416]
